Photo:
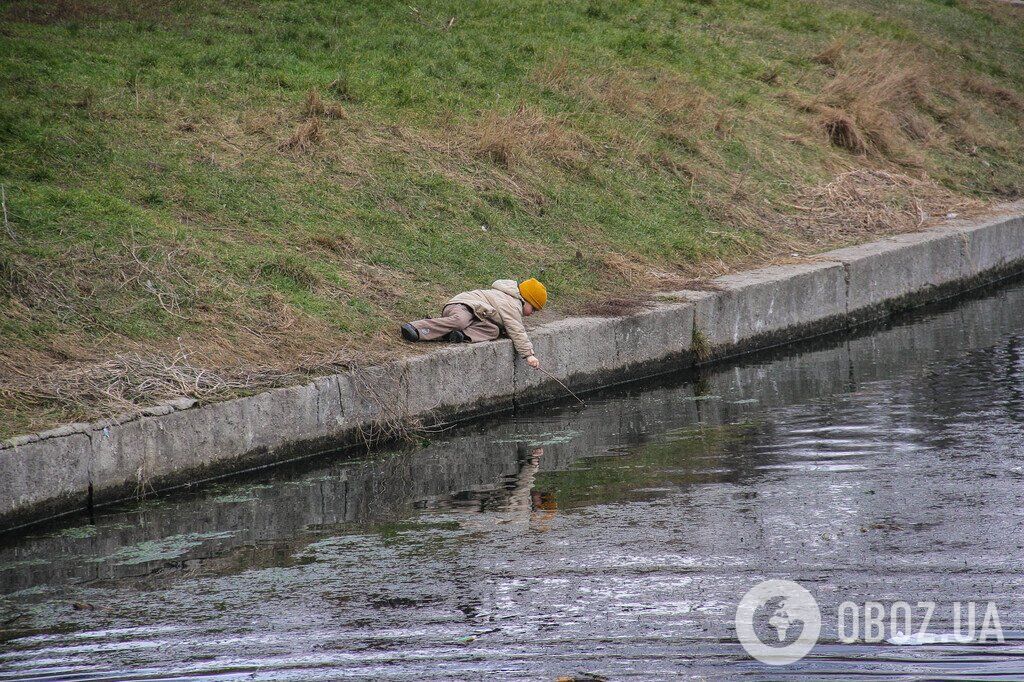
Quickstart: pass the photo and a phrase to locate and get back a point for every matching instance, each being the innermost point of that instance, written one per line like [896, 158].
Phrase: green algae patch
[11, 565]
[538, 440]
[172, 547]
[77, 533]
[240, 494]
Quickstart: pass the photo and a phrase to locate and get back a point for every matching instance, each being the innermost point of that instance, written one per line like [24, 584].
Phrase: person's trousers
[456, 316]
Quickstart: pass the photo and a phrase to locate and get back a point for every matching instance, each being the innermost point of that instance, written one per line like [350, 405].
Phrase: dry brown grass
[71, 380]
[854, 207]
[661, 107]
[831, 54]
[127, 276]
[888, 102]
[625, 93]
[124, 384]
[842, 130]
[555, 73]
[861, 204]
[310, 134]
[679, 110]
[340, 244]
[245, 344]
[1001, 97]
[634, 272]
[493, 152]
[523, 136]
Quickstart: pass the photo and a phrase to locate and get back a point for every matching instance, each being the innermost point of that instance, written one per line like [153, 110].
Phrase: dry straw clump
[882, 100]
[317, 107]
[306, 136]
[310, 132]
[872, 104]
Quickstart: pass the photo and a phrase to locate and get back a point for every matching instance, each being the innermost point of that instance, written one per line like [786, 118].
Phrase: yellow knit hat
[534, 293]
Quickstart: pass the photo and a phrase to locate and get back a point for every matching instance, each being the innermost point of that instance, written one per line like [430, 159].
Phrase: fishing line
[562, 385]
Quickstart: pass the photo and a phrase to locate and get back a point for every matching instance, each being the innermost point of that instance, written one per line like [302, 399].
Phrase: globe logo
[786, 608]
[781, 620]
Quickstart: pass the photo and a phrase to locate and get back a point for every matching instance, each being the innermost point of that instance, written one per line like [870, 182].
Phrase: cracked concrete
[179, 443]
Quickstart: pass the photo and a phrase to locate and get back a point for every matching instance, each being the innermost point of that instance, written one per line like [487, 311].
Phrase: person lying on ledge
[483, 314]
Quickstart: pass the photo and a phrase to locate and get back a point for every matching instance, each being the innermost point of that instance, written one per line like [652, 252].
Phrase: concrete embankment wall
[69, 468]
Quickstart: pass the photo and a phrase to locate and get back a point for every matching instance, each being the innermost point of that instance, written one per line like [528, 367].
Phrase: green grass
[154, 202]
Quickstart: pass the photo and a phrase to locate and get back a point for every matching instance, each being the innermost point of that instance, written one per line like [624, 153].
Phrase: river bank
[82, 465]
[614, 538]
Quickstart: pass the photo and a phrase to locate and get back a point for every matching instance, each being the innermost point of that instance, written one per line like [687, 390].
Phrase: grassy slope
[172, 187]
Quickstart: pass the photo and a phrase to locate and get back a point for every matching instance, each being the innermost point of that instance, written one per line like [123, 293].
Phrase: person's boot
[455, 336]
[410, 333]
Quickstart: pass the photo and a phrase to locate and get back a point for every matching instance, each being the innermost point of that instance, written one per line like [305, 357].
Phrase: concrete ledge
[179, 443]
[992, 246]
[770, 305]
[45, 477]
[882, 275]
[655, 337]
[439, 382]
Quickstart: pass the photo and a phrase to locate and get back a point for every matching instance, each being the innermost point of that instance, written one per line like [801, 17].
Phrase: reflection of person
[524, 500]
[545, 501]
[517, 500]
[483, 314]
[520, 499]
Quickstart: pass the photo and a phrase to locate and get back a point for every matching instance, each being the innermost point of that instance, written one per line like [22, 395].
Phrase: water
[613, 539]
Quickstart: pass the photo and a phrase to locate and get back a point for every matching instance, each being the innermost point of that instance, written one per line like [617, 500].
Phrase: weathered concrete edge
[179, 443]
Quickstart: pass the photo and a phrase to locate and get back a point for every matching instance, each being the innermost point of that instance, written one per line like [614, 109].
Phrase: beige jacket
[502, 305]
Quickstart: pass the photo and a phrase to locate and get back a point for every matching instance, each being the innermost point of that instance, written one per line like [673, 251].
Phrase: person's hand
[532, 361]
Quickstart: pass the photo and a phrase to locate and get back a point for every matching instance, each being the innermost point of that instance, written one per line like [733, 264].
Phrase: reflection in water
[612, 539]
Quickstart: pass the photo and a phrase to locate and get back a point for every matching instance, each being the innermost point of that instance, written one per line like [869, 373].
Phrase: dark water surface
[613, 539]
